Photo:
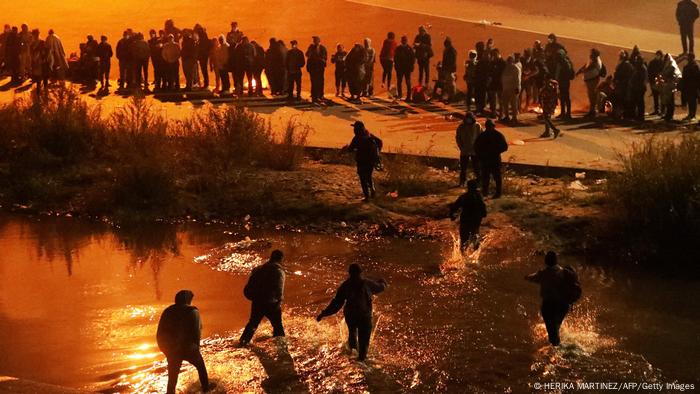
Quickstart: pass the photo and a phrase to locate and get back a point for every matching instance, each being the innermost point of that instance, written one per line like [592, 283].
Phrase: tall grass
[656, 196]
[57, 151]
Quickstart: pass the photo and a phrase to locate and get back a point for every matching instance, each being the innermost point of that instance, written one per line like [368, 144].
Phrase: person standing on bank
[355, 294]
[265, 288]
[366, 147]
[104, 52]
[690, 83]
[316, 60]
[423, 47]
[404, 62]
[686, 14]
[294, 63]
[386, 58]
[559, 289]
[549, 96]
[466, 135]
[473, 210]
[592, 72]
[178, 335]
[488, 147]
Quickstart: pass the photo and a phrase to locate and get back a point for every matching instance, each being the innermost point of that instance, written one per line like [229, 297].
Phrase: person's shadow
[279, 366]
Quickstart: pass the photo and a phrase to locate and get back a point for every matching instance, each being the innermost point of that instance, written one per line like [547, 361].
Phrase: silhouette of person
[488, 147]
[473, 211]
[265, 288]
[178, 335]
[356, 295]
[366, 147]
[554, 307]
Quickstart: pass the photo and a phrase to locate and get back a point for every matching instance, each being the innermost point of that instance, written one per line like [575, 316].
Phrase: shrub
[656, 196]
[288, 153]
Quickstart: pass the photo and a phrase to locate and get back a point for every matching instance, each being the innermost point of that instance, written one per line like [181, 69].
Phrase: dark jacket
[623, 76]
[189, 48]
[404, 59]
[179, 330]
[691, 78]
[259, 58]
[356, 295]
[104, 51]
[654, 69]
[317, 57]
[295, 61]
[366, 148]
[338, 59]
[472, 206]
[686, 12]
[123, 51]
[423, 46]
[449, 60]
[489, 145]
[266, 284]
[550, 280]
[495, 73]
[244, 57]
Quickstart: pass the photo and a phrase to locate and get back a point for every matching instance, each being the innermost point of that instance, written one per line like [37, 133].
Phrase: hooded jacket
[466, 136]
[355, 294]
[489, 145]
[266, 284]
[179, 330]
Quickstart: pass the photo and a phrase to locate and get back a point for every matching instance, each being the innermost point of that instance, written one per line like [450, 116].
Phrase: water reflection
[444, 324]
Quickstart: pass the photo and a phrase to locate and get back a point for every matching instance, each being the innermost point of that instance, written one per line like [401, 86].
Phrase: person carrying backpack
[366, 147]
[355, 297]
[559, 289]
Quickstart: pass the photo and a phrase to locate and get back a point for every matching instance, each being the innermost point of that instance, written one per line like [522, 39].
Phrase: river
[79, 305]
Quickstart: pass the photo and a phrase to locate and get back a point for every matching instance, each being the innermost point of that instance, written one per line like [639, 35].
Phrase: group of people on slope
[179, 328]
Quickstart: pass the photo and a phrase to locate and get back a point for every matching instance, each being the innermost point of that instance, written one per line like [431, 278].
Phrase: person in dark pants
[404, 62]
[690, 83]
[258, 67]
[548, 98]
[338, 59]
[466, 134]
[265, 288]
[654, 71]
[104, 53]
[140, 53]
[355, 297]
[554, 308]
[482, 75]
[366, 147]
[423, 47]
[386, 58]
[488, 147]
[203, 51]
[564, 73]
[473, 212]
[178, 335]
[316, 60]
[686, 14]
[294, 63]
[124, 58]
[638, 88]
[155, 46]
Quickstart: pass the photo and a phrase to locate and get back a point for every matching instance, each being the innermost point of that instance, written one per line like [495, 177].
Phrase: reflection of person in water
[265, 289]
[178, 335]
[356, 294]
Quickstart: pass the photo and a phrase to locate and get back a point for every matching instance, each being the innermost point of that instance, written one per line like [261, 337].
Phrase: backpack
[603, 72]
[570, 286]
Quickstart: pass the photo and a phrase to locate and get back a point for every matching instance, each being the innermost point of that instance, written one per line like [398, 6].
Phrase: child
[339, 60]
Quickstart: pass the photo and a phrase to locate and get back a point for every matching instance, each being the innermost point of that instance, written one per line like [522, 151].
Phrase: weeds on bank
[56, 148]
[409, 175]
[656, 196]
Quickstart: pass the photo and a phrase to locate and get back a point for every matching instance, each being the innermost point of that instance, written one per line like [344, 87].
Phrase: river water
[79, 304]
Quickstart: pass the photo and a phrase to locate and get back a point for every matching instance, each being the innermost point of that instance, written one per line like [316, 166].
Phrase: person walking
[510, 90]
[488, 147]
[423, 47]
[686, 15]
[386, 58]
[338, 59]
[549, 96]
[316, 60]
[366, 147]
[473, 209]
[265, 288]
[104, 53]
[559, 288]
[294, 63]
[466, 135]
[178, 335]
[404, 62]
[355, 297]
